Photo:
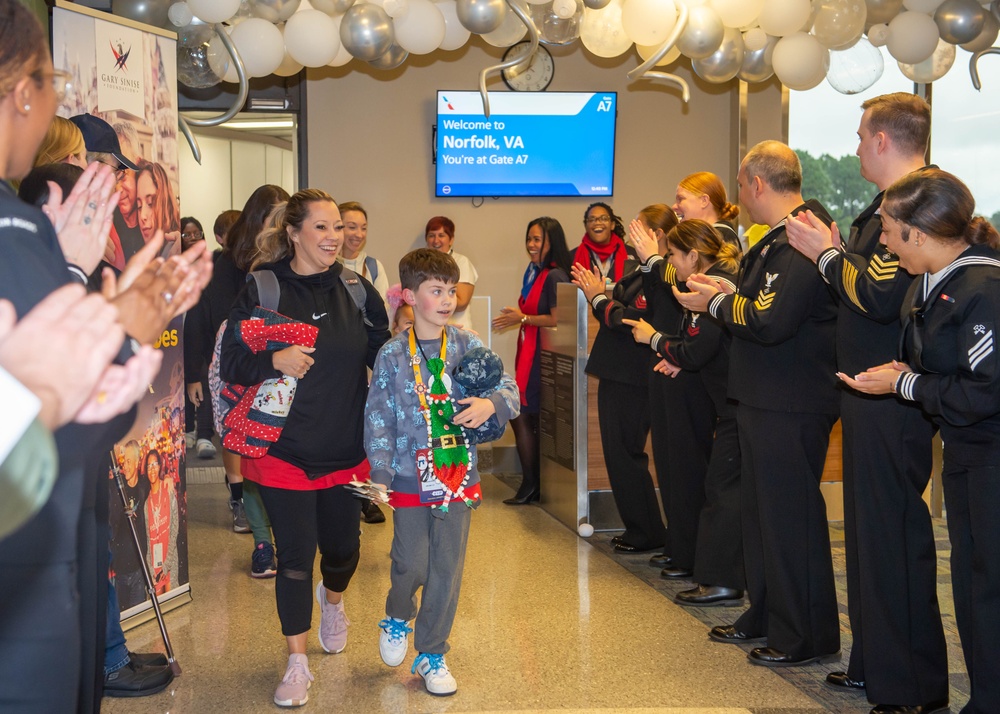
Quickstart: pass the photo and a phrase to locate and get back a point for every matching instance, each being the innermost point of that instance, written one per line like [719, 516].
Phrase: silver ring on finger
[87, 220]
[92, 206]
[168, 297]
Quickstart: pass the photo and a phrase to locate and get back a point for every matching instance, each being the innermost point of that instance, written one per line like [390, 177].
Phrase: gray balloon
[333, 7]
[756, 65]
[391, 59]
[151, 12]
[881, 11]
[960, 21]
[991, 28]
[274, 10]
[703, 34]
[596, 4]
[995, 9]
[366, 32]
[481, 16]
[725, 63]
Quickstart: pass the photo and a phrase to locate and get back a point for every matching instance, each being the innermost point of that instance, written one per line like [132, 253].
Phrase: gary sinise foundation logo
[121, 56]
[116, 75]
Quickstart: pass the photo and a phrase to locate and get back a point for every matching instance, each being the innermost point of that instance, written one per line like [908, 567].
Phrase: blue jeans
[115, 651]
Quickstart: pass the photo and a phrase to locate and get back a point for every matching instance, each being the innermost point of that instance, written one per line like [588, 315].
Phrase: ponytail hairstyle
[274, 242]
[708, 184]
[241, 240]
[616, 222]
[659, 215]
[552, 230]
[939, 204]
[701, 236]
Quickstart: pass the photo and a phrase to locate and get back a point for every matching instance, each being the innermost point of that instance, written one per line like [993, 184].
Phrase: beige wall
[370, 140]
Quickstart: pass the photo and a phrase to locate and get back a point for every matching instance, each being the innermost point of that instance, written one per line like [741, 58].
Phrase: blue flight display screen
[532, 144]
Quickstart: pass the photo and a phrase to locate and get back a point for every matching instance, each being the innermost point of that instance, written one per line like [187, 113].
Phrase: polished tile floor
[547, 621]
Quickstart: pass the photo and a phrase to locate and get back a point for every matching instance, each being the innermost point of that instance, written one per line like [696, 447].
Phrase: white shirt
[466, 274]
[381, 283]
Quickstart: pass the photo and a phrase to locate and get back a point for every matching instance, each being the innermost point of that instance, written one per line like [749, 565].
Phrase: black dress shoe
[770, 657]
[371, 513]
[136, 681]
[840, 679]
[710, 595]
[153, 659]
[661, 561]
[931, 708]
[623, 547]
[523, 500]
[729, 633]
[615, 540]
[672, 573]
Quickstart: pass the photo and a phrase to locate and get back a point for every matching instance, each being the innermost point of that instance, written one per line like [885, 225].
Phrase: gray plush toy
[478, 375]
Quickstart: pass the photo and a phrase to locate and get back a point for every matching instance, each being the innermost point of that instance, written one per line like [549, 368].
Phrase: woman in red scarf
[602, 248]
[550, 262]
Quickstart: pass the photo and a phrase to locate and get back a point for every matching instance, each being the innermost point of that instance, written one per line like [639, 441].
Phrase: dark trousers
[683, 422]
[200, 418]
[301, 520]
[971, 495]
[623, 416]
[786, 541]
[719, 555]
[899, 647]
[92, 580]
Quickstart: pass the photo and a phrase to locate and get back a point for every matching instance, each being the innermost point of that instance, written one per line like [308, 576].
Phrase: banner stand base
[143, 613]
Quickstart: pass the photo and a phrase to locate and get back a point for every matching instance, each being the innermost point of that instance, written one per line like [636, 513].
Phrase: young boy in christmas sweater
[416, 445]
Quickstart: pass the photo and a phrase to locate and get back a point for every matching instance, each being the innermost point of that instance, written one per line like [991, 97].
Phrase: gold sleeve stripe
[763, 302]
[739, 310]
[670, 274]
[851, 284]
[880, 270]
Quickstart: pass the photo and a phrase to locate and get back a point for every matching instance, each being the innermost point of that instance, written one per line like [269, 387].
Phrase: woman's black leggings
[301, 520]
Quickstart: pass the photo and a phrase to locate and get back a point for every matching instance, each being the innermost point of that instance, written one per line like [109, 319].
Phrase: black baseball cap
[100, 137]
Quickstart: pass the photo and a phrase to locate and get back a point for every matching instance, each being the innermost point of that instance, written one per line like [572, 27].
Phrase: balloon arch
[802, 42]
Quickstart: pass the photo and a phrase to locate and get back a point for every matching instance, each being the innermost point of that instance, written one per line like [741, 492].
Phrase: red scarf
[527, 339]
[614, 247]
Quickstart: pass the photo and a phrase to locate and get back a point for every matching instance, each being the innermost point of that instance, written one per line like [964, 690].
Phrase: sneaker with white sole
[205, 449]
[294, 688]
[392, 640]
[333, 623]
[437, 678]
[240, 524]
[262, 563]
[190, 439]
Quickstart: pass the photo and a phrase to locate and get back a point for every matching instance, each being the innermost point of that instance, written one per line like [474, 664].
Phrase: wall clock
[537, 76]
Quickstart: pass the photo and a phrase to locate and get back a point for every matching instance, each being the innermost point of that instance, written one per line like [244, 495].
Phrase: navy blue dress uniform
[709, 516]
[949, 342]
[783, 322]
[899, 648]
[621, 365]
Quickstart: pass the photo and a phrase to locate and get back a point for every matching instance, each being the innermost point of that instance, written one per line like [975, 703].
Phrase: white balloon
[925, 6]
[878, 35]
[783, 17]
[647, 51]
[311, 38]
[343, 56]
[421, 29]
[648, 22]
[601, 31]
[800, 61]
[737, 13]
[913, 37]
[933, 68]
[455, 33]
[564, 9]
[510, 32]
[855, 69]
[220, 61]
[260, 44]
[839, 23]
[288, 66]
[180, 14]
[395, 8]
[755, 39]
[212, 11]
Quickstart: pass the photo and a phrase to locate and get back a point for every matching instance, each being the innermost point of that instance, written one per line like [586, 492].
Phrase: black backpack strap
[268, 290]
[357, 291]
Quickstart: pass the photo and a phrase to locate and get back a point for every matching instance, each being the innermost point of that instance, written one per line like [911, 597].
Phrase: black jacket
[325, 425]
[202, 321]
[615, 355]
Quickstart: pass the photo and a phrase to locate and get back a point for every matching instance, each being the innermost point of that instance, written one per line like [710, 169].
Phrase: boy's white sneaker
[437, 678]
[294, 688]
[392, 641]
[333, 623]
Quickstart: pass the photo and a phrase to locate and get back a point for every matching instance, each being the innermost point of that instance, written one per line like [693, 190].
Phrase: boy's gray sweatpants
[428, 552]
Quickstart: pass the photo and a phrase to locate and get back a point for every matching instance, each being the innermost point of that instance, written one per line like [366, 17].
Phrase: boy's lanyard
[418, 377]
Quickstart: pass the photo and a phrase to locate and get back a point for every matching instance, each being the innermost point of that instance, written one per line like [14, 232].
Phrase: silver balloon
[703, 34]
[995, 9]
[960, 20]
[881, 11]
[481, 16]
[151, 12]
[725, 63]
[756, 65]
[596, 4]
[366, 32]
[193, 68]
[274, 10]
[991, 28]
[332, 7]
[391, 59]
